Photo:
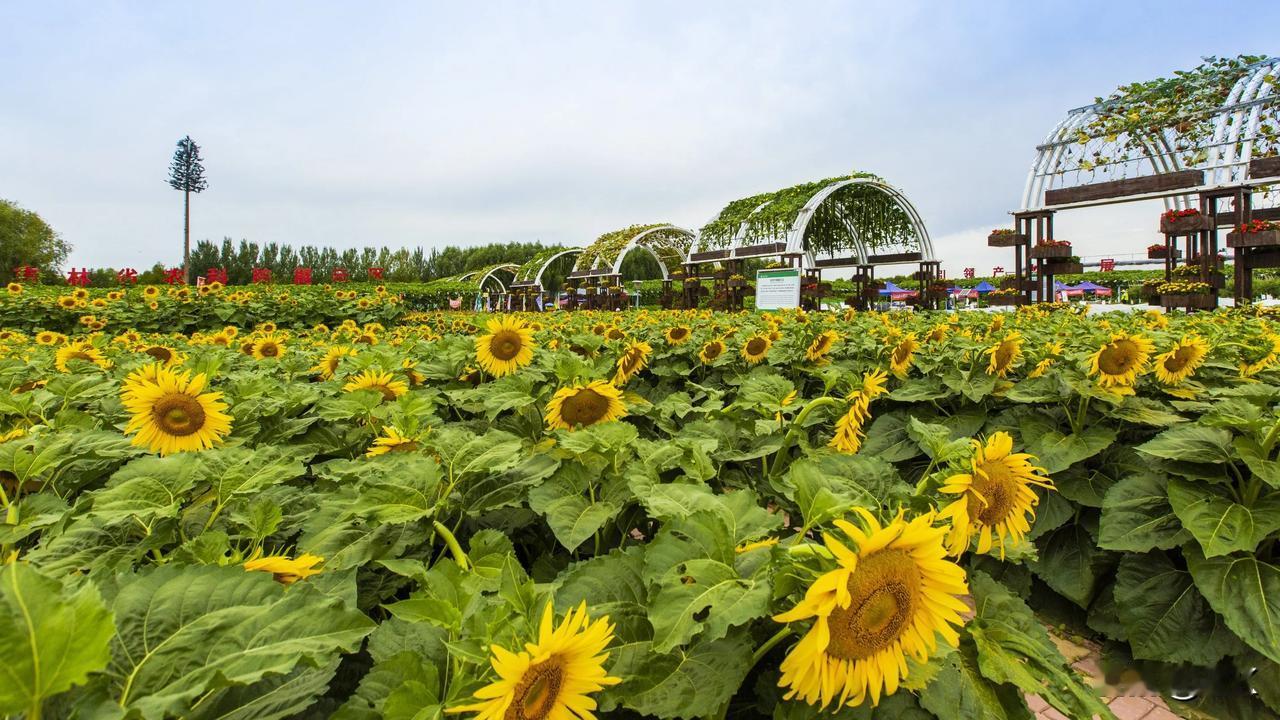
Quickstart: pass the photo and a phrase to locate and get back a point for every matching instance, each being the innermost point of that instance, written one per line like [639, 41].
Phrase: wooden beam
[1264, 167]
[709, 255]
[774, 248]
[891, 258]
[1262, 258]
[1227, 219]
[1121, 188]
[840, 262]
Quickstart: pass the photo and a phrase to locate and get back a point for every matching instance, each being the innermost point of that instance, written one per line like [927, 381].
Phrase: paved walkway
[1135, 702]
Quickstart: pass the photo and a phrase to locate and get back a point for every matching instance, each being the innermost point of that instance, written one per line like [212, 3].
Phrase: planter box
[1163, 254]
[1006, 240]
[1014, 284]
[1063, 268]
[871, 292]
[1007, 300]
[1265, 238]
[1186, 225]
[1198, 301]
[737, 283]
[1051, 251]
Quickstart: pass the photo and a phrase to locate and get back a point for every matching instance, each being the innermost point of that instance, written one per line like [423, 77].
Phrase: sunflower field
[637, 515]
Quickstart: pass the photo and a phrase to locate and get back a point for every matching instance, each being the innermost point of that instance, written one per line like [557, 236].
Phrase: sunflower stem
[451, 542]
[1269, 442]
[794, 431]
[770, 644]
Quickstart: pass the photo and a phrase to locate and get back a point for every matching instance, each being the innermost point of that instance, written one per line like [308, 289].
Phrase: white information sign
[777, 288]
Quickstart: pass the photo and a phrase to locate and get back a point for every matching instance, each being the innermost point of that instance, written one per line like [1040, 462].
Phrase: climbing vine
[670, 245]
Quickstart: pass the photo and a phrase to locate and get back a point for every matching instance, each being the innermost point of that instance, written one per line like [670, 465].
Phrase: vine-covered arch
[486, 275]
[859, 214]
[668, 244]
[530, 274]
[1199, 129]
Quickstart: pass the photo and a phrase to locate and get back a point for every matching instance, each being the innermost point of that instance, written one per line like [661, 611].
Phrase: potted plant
[1005, 237]
[1258, 233]
[1188, 294]
[1161, 251]
[1005, 297]
[737, 281]
[1064, 266]
[1184, 222]
[1051, 249]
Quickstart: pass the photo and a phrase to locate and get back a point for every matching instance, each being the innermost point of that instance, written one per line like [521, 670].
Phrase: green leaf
[1165, 617]
[690, 683]
[1071, 563]
[399, 489]
[183, 631]
[961, 691]
[1246, 592]
[706, 596]
[1190, 443]
[936, 441]
[147, 488]
[1259, 462]
[242, 471]
[1220, 524]
[273, 698]
[50, 637]
[1137, 516]
[575, 504]
[821, 495]
[1057, 452]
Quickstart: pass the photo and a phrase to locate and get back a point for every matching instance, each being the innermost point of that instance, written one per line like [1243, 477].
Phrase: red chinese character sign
[26, 272]
[339, 275]
[1107, 264]
[968, 272]
[173, 276]
[79, 278]
[127, 276]
[302, 276]
[216, 275]
[261, 275]
[375, 273]
[997, 270]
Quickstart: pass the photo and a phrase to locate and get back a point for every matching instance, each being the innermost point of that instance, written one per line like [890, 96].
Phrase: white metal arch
[537, 279]
[1227, 153]
[635, 243]
[490, 273]
[795, 236]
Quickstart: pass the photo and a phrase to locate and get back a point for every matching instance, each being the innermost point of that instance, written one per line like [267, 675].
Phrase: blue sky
[407, 124]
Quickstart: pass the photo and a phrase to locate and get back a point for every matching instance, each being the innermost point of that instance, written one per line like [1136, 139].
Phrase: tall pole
[186, 237]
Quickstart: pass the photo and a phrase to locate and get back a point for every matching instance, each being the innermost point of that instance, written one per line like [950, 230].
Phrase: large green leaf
[961, 691]
[1219, 523]
[576, 504]
[184, 631]
[1165, 617]
[1245, 590]
[1071, 562]
[1190, 443]
[706, 596]
[1137, 516]
[690, 683]
[51, 637]
[243, 471]
[147, 488]
[398, 489]
[1057, 452]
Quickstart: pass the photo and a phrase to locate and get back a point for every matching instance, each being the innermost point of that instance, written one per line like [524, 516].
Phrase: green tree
[26, 239]
[186, 173]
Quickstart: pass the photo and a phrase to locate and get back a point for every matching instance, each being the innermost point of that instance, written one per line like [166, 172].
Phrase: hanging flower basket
[1266, 235]
[1161, 252]
[1051, 251]
[1000, 299]
[1197, 301]
[1184, 222]
[1005, 238]
[1063, 268]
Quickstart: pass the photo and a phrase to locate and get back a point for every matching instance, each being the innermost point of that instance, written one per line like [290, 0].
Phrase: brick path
[1135, 702]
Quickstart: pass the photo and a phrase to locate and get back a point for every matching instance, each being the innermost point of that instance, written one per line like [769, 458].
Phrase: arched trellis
[668, 244]
[484, 275]
[1223, 115]
[530, 274]
[861, 214]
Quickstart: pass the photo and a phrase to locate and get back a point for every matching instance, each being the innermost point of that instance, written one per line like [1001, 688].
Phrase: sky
[412, 124]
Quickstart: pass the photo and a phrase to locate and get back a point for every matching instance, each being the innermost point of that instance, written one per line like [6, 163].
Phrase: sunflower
[383, 382]
[888, 599]
[821, 345]
[14, 288]
[848, 435]
[83, 351]
[170, 413]
[1004, 355]
[937, 333]
[392, 441]
[268, 346]
[902, 354]
[996, 494]
[582, 405]
[615, 333]
[411, 374]
[80, 294]
[1119, 362]
[756, 348]
[328, 365]
[634, 358]
[711, 351]
[1271, 345]
[66, 302]
[552, 678]
[284, 570]
[507, 348]
[162, 354]
[1182, 360]
[151, 292]
[48, 337]
[678, 335]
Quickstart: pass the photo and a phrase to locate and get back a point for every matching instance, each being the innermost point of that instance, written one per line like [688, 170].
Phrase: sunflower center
[178, 414]
[78, 355]
[756, 346]
[999, 488]
[537, 693]
[679, 333]
[404, 447]
[585, 407]
[505, 344]
[1181, 357]
[902, 353]
[885, 592]
[1004, 354]
[269, 350]
[712, 351]
[1118, 358]
[162, 354]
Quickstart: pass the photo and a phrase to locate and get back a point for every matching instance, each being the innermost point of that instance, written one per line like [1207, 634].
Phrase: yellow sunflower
[583, 405]
[1121, 360]
[284, 570]
[711, 351]
[902, 354]
[678, 335]
[14, 288]
[821, 346]
[890, 597]
[507, 348]
[848, 435]
[756, 348]
[328, 365]
[1271, 345]
[392, 441]
[634, 358]
[268, 346]
[995, 495]
[551, 679]
[48, 337]
[150, 292]
[67, 302]
[162, 354]
[1182, 360]
[83, 351]
[1004, 355]
[170, 413]
[382, 381]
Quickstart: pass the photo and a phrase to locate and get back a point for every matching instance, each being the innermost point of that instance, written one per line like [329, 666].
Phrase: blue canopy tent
[891, 289]
[984, 287]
